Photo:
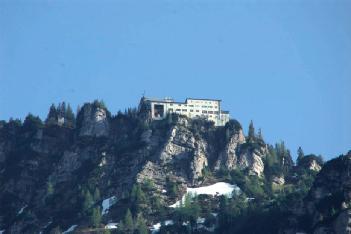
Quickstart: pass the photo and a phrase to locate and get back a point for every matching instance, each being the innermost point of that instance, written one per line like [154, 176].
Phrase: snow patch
[156, 227]
[200, 220]
[107, 203]
[217, 189]
[111, 226]
[71, 229]
[21, 210]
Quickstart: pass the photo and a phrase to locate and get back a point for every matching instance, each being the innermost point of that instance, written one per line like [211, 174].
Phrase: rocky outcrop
[327, 205]
[229, 157]
[182, 155]
[251, 159]
[311, 162]
[239, 154]
[278, 180]
[93, 120]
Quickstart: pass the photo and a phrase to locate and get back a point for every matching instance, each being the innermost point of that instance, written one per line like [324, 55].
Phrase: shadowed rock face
[95, 121]
[111, 153]
[327, 206]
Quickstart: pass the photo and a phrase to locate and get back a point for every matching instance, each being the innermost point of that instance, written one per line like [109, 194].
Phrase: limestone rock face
[199, 161]
[184, 152]
[311, 162]
[278, 180]
[252, 159]
[93, 121]
[314, 166]
[229, 158]
[178, 146]
[240, 155]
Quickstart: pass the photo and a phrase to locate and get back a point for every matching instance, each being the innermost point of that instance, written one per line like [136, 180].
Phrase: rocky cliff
[54, 175]
[326, 208]
[43, 170]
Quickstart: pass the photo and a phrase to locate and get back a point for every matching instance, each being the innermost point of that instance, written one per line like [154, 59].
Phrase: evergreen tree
[95, 218]
[138, 198]
[69, 117]
[49, 188]
[87, 201]
[259, 135]
[300, 154]
[128, 225]
[251, 135]
[96, 194]
[141, 227]
[61, 109]
[52, 115]
[32, 123]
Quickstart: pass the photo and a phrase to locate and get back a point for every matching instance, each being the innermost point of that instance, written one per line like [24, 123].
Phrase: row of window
[185, 105]
[185, 110]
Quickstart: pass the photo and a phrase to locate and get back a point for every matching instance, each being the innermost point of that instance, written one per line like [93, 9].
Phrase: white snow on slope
[107, 203]
[156, 227]
[217, 189]
[111, 226]
[21, 210]
[71, 229]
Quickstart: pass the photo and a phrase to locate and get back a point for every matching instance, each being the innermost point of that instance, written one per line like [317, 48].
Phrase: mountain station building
[209, 109]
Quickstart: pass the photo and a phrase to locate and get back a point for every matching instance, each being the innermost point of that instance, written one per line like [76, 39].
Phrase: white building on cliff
[209, 109]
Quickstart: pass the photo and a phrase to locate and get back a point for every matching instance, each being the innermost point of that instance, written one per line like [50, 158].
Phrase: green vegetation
[95, 217]
[61, 115]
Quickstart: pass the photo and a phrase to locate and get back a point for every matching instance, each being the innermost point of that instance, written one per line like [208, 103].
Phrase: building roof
[171, 100]
[206, 99]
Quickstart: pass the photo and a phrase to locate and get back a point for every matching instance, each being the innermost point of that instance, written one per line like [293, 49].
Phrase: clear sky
[284, 64]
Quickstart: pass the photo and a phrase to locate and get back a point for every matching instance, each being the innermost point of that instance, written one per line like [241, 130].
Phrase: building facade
[209, 109]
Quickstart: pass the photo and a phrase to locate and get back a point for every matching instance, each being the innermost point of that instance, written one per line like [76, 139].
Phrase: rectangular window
[177, 109]
[184, 110]
[204, 112]
[197, 111]
[210, 112]
[191, 110]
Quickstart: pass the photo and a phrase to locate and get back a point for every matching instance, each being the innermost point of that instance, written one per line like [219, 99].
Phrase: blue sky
[284, 64]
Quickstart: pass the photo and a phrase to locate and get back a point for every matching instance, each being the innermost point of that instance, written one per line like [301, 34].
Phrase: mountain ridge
[60, 171]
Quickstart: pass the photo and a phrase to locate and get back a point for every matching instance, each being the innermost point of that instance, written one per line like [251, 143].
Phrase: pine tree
[259, 135]
[69, 117]
[32, 123]
[300, 154]
[138, 198]
[52, 115]
[141, 227]
[62, 109]
[49, 188]
[251, 134]
[96, 194]
[128, 224]
[95, 218]
[88, 201]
